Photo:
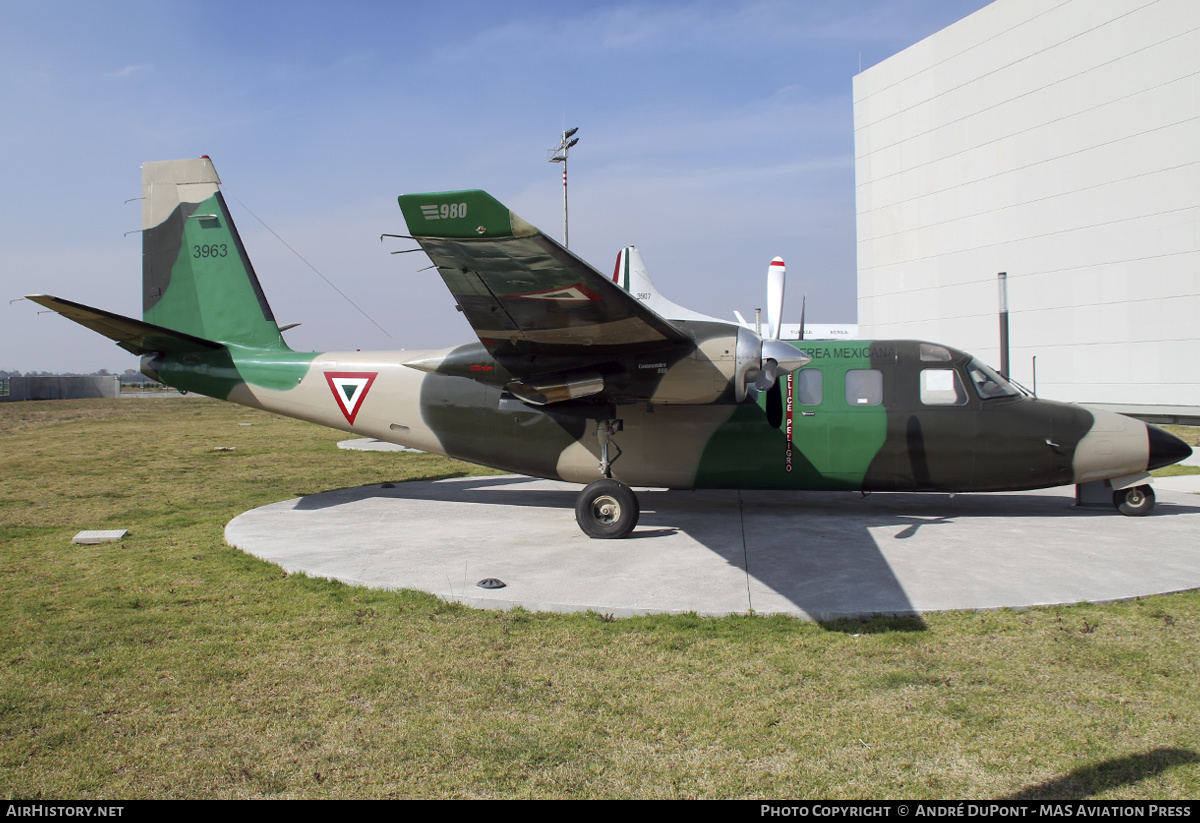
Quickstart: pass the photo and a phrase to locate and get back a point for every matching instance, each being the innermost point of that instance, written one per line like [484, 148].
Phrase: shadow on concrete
[469, 490]
[803, 546]
[841, 558]
[1106, 775]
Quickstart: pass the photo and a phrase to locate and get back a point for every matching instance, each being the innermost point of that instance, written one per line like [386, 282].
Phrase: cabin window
[864, 387]
[935, 353]
[807, 386]
[942, 387]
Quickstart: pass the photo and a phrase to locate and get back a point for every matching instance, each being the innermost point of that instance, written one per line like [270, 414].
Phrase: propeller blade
[776, 276]
[803, 300]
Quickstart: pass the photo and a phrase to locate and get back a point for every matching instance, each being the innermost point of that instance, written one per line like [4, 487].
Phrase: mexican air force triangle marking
[350, 389]
[577, 293]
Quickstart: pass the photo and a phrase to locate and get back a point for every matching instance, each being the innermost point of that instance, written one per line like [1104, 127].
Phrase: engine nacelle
[725, 366]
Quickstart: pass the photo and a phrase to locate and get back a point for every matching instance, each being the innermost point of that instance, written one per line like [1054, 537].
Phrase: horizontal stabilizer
[132, 335]
[526, 296]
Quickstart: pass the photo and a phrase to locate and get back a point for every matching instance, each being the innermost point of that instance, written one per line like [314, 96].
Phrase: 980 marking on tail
[446, 211]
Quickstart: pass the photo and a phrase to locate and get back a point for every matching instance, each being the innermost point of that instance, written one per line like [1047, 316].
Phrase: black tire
[607, 509]
[1137, 501]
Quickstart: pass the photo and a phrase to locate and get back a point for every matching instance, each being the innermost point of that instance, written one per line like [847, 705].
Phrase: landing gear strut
[607, 509]
[1135, 501]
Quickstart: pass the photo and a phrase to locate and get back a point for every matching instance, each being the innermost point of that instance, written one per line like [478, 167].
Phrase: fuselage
[863, 415]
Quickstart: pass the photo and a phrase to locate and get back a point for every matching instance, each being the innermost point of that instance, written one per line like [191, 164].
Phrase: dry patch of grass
[171, 665]
[1175, 471]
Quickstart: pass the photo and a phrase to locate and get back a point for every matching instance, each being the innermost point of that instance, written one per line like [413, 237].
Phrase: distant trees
[135, 376]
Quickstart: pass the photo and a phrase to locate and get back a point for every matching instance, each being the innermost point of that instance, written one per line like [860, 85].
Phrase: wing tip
[461, 215]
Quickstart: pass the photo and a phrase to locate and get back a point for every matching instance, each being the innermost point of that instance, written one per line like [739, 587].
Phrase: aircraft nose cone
[1165, 448]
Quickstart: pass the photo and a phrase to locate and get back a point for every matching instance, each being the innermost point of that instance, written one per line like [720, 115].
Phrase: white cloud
[130, 70]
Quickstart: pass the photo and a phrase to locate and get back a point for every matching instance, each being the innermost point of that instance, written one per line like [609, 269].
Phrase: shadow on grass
[1090, 780]
[876, 624]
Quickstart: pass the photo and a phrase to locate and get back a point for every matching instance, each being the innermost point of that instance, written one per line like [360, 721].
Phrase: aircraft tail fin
[196, 276]
[630, 274]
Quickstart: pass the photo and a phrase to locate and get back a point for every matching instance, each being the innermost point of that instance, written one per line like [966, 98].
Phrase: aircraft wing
[527, 297]
[134, 336]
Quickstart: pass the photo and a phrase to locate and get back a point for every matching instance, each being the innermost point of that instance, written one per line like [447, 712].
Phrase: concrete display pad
[817, 555]
[370, 444]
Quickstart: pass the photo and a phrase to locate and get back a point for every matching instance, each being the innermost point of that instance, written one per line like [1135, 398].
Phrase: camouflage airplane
[603, 381]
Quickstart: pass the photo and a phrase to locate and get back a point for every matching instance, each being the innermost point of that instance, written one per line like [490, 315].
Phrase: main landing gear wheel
[1135, 502]
[607, 509]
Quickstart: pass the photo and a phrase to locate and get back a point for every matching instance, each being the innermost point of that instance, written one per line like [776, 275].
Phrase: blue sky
[714, 136]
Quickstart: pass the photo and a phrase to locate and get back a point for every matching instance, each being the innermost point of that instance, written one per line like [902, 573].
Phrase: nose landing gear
[1133, 496]
[1135, 501]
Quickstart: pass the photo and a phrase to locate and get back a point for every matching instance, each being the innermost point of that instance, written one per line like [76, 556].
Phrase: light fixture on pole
[558, 154]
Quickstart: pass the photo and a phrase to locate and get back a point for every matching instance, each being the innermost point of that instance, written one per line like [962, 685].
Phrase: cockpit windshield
[989, 384]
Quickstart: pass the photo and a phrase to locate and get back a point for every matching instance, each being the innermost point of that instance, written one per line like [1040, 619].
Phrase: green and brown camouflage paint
[207, 327]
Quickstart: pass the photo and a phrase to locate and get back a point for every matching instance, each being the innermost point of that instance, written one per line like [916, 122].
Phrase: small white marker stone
[101, 536]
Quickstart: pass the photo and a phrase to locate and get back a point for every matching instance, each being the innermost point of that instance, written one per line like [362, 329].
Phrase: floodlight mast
[558, 154]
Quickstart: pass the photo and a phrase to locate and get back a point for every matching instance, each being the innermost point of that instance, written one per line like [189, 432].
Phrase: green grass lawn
[171, 665]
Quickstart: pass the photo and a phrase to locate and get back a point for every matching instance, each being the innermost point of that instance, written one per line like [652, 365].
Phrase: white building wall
[1057, 140]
